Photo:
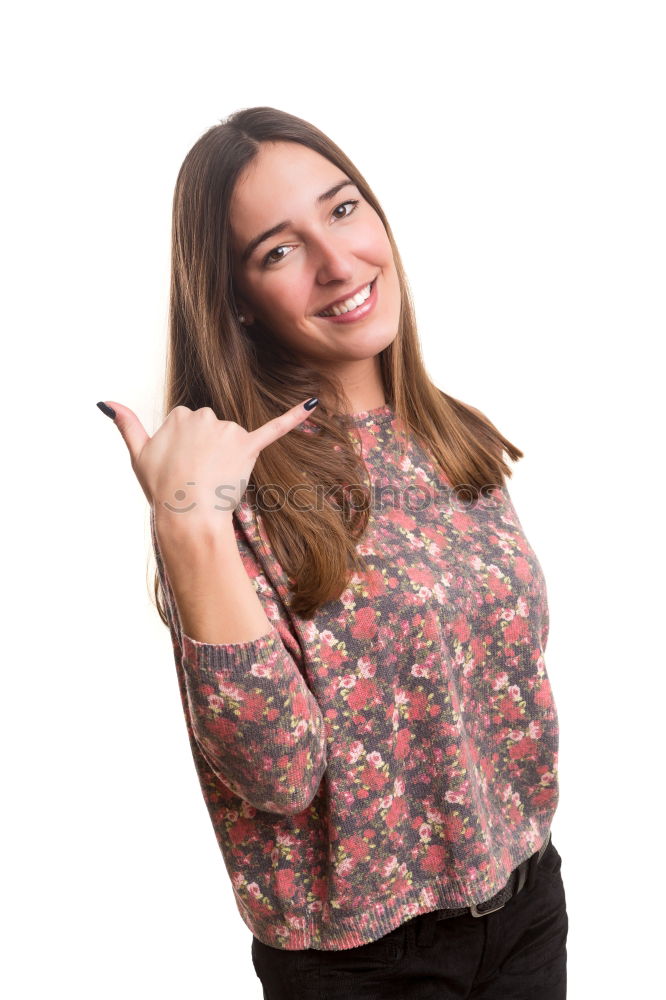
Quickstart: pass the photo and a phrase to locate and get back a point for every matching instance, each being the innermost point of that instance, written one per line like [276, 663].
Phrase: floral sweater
[397, 754]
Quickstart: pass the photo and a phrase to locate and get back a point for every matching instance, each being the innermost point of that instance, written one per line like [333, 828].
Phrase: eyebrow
[281, 226]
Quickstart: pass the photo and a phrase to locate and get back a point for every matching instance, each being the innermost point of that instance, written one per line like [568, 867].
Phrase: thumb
[132, 430]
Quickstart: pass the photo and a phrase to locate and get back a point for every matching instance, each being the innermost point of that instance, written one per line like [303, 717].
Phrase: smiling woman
[273, 223]
[334, 257]
[364, 686]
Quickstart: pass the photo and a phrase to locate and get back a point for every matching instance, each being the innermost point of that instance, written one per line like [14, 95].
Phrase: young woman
[358, 620]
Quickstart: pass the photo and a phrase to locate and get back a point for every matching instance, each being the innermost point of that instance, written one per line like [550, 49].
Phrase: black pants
[516, 953]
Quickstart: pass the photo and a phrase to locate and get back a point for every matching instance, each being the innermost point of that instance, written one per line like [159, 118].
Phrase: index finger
[279, 426]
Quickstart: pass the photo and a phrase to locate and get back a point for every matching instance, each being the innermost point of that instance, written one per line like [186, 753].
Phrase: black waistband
[516, 881]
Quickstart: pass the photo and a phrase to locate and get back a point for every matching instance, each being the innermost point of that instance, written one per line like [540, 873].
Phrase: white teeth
[348, 304]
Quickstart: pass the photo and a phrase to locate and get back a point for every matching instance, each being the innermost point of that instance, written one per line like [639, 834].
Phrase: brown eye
[353, 203]
[269, 259]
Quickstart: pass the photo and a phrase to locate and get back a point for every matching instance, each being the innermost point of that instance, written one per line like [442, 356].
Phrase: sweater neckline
[377, 413]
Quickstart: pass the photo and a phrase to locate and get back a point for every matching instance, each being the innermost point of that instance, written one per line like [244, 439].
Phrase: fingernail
[107, 409]
[311, 403]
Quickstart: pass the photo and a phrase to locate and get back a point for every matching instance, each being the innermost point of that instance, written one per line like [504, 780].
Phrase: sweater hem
[375, 922]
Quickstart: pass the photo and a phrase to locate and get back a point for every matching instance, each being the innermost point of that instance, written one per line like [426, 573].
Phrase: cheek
[376, 244]
[286, 294]
[294, 290]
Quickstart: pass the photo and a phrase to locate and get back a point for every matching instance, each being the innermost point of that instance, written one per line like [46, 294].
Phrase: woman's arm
[214, 596]
[252, 716]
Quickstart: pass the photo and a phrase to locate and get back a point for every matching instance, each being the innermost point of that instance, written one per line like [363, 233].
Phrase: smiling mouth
[349, 304]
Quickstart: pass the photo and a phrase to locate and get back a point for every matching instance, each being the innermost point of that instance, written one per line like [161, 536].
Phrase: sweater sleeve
[251, 714]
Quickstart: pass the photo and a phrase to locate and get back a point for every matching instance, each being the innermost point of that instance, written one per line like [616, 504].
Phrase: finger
[279, 426]
[131, 429]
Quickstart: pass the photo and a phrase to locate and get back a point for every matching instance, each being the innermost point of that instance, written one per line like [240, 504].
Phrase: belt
[524, 873]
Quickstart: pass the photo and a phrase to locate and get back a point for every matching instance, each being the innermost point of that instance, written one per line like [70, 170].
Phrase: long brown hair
[210, 355]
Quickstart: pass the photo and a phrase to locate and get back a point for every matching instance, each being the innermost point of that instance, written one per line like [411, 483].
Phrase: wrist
[191, 525]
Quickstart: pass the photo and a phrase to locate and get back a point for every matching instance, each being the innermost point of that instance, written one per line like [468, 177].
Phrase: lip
[354, 314]
[343, 298]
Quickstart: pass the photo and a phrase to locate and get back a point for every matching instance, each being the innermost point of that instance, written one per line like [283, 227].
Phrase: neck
[362, 384]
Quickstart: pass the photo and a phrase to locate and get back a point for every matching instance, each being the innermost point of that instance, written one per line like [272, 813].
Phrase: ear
[244, 312]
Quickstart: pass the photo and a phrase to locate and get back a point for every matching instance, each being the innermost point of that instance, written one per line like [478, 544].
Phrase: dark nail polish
[311, 403]
[108, 410]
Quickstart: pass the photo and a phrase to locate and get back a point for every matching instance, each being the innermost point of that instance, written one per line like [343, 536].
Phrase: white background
[518, 150]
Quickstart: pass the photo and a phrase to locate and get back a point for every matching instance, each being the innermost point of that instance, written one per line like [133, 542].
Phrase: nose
[333, 261]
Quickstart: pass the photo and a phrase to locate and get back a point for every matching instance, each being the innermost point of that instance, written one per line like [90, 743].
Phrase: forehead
[282, 181]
